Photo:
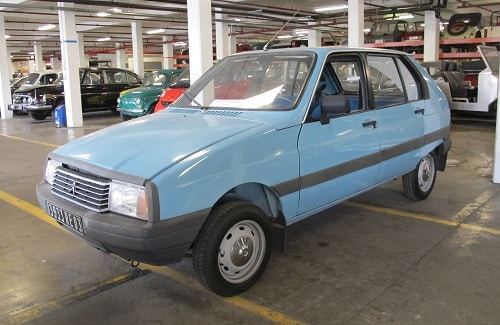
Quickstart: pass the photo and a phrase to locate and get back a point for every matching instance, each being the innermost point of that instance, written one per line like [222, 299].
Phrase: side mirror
[332, 105]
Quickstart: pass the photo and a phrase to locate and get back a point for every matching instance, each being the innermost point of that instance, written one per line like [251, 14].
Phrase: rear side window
[409, 81]
[392, 83]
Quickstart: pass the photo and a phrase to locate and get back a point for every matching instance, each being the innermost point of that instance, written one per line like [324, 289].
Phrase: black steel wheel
[233, 248]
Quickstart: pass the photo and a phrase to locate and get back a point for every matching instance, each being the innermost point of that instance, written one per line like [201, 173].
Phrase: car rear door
[339, 158]
[397, 96]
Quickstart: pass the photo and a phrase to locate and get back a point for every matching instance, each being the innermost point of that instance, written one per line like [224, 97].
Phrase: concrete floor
[376, 259]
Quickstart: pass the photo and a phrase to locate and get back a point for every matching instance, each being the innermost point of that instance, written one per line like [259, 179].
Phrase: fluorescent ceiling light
[47, 27]
[408, 16]
[103, 14]
[285, 36]
[179, 43]
[103, 39]
[7, 36]
[331, 8]
[155, 31]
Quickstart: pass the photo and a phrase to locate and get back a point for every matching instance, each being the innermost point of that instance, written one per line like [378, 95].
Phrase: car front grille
[85, 190]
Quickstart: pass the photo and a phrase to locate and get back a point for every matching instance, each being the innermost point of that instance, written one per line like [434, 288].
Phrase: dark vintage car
[100, 88]
[26, 93]
[16, 83]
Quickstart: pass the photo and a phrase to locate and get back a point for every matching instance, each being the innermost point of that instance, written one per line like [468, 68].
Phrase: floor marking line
[29, 208]
[400, 213]
[422, 217]
[50, 306]
[472, 207]
[31, 141]
[242, 303]
[36, 312]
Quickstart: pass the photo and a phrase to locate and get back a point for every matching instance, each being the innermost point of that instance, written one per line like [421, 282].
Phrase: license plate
[67, 218]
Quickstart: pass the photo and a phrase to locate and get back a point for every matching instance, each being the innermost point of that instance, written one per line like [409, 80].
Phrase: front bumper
[157, 243]
[39, 108]
[132, 111]
[16, 107]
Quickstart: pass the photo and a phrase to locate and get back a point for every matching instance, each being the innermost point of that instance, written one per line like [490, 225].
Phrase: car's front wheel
[126, 117]
[233, 248]
[38, 116]
[418, 183]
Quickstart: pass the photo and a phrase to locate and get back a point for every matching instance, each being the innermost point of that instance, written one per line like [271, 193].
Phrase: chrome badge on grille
[72, 189]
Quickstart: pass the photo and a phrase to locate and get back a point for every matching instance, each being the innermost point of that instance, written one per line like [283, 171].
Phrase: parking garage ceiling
[106, 25]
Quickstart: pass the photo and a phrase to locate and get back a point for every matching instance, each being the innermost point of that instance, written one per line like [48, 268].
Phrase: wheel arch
[267, 200]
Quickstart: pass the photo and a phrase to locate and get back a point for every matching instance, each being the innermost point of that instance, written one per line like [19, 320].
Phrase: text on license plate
[65, 217]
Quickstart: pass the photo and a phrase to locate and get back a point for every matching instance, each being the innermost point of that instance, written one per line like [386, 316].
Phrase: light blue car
[261, 141]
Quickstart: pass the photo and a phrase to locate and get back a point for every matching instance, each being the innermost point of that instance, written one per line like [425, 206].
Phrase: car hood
[146, 146]
[28, 88]
[142, 92]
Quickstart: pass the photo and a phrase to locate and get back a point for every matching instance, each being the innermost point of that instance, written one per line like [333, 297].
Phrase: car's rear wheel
[418, 183]
[233, 248]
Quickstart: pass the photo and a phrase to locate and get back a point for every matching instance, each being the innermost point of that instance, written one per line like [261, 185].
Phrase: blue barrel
[60, 116]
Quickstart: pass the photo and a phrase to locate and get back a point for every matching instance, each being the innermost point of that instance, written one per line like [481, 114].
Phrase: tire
[232, 248]
[126, 117]
[39, 116]
[418, 183]
[151, 108]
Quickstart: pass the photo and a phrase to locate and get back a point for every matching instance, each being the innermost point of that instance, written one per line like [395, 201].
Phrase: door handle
[370, 123]
[420, 111]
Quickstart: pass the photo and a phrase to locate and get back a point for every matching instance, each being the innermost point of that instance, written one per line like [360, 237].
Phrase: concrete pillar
[200, 37]
[5, 97]
[313, 36]
[222, 36]
[39, 63]
[82, 57]
[496, 157]
[55, 63]
[71, 74]
[232, 44]
[431, 37]
[137, 48]
[121, 57]
[356, 24]
[168, 53]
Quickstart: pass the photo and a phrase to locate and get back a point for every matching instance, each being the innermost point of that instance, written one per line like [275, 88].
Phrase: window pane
[411, 85]
[385, 81]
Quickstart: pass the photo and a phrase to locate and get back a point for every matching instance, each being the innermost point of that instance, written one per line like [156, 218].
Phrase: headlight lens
[50, 170]
[137, 101]
[128, 199]
[118, 100]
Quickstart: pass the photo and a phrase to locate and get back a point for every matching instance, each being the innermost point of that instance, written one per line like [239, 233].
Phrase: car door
[93, 90]
[339, 155]
[116, 82]
[397, 97]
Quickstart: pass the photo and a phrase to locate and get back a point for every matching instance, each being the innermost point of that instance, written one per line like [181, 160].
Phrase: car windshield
[32, 78]
[155, 79]
[182, 81]
[272, 80]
